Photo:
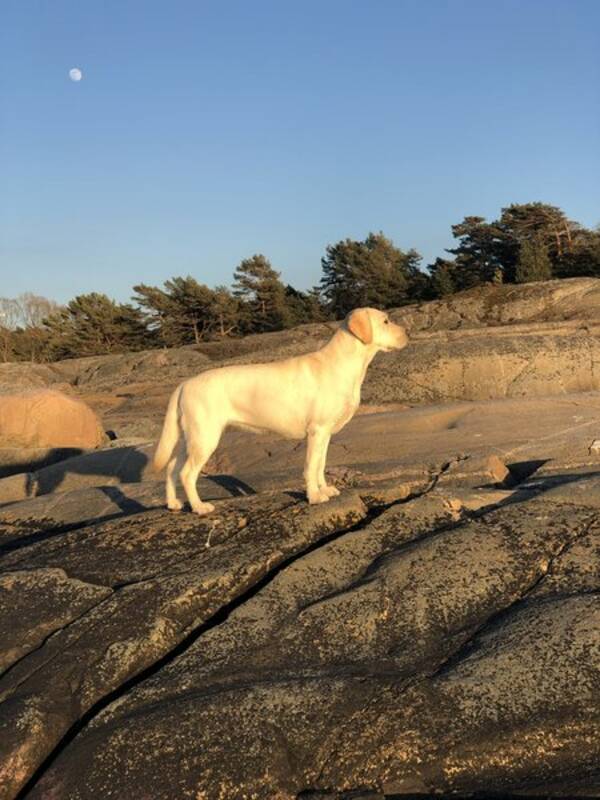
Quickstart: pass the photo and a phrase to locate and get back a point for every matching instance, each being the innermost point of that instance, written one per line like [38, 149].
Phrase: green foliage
[262, 296]
[373, 272]
[442, 277]
[493, 251]
[582, 258]
[534, 262]
[480, 253]
[160, 313]
[546, 226]
[93, 324]
[304, 307]
[187, 312]
[225, 313]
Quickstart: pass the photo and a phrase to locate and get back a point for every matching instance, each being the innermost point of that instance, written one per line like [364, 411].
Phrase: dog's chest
[345, 413]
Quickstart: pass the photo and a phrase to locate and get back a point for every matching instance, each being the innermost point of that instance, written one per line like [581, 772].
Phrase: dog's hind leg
[201, 443]
[173, 469]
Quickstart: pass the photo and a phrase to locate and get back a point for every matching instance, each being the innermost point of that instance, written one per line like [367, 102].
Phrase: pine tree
[583, 259]
[480, 253]
[534, 263]
[304, 307]
[262, 296]
[339, 288]
[160, 313]
[373, 272]
[187, 312]
[192, 305]
[442, 282]
[93, 324]
[225, 312]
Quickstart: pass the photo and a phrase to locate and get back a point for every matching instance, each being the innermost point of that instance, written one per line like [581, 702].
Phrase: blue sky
[204, 132]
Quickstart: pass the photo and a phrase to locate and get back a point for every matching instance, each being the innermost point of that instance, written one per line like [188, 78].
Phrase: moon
[75, 74]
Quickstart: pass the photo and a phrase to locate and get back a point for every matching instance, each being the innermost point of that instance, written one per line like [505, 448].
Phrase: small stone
[478, 469]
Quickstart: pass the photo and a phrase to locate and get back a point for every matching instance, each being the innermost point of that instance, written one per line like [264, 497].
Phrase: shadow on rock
[36, 458]
[582, 488]
[128, 505]
[118, 465]
[521, 470]
[231, 484]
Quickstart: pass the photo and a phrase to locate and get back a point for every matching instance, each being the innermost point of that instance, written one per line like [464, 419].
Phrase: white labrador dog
[311, 396]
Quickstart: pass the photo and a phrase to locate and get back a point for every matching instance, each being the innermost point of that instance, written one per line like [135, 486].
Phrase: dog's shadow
[115, 468]
[231, 484]
[119, 465]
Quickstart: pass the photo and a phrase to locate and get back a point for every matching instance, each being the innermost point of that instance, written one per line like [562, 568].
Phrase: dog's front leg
[316, 453]
[329, 490]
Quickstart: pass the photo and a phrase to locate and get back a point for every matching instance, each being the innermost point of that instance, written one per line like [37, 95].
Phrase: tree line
[528, 242]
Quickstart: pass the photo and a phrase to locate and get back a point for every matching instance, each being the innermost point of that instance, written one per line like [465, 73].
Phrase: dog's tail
[170, 433]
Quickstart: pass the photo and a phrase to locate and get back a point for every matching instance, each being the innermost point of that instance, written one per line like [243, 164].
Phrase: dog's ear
[359, 324]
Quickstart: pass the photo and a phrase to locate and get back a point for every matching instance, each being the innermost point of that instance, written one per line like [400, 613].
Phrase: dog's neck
[356, 356]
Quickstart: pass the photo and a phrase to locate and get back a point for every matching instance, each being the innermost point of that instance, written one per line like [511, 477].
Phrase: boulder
[47, 418]
[476, 471]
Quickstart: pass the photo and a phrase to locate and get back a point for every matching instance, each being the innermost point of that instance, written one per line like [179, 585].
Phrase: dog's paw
[317, 497]
[175, 505]
[203, 508]
[330, 491]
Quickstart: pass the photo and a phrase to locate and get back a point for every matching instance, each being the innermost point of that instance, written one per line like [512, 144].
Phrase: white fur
[311, 396]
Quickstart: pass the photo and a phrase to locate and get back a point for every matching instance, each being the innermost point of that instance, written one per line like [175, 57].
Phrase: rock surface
[371, 663]
[491, 305]
[157, 584]
[399, 639]
[435, 629]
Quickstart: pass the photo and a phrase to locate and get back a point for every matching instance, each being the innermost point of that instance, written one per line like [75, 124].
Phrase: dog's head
[375, 328]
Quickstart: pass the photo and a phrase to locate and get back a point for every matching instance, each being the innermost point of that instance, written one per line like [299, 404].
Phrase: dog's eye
[386, 322]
